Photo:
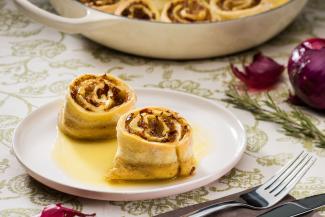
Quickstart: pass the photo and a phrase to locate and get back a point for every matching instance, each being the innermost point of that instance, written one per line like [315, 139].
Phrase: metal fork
[268, 194]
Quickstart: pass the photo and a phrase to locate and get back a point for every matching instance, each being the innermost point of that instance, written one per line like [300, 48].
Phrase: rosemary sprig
[293, 123]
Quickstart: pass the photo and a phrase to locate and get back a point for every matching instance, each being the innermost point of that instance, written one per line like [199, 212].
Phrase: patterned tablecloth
[36, 64]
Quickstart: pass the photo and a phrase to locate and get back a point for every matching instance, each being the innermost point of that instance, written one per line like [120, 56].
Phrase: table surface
[37, 63]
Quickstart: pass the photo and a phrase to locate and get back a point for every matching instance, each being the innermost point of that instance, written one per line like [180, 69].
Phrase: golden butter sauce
[88, 161]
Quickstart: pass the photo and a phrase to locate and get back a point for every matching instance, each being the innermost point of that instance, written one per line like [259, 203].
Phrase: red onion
[262, 73]
[295, 100]
[306, 68]
[57, 210]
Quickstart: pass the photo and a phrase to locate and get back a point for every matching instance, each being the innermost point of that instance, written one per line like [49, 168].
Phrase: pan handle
[87, 20]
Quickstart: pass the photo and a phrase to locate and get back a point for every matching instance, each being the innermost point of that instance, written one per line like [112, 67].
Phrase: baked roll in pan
[235, 9]
[186, 11]
[139, 9]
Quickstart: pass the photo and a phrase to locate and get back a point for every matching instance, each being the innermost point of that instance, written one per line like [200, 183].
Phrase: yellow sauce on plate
[89, 161]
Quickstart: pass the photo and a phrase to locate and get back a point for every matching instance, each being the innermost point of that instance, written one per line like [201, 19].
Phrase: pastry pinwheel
[139, 9]
[186, 11]
[153, 143]
[234, 9]
[108, 6]
[93, 105]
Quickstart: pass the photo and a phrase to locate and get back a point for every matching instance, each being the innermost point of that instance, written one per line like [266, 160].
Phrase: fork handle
[214, 208]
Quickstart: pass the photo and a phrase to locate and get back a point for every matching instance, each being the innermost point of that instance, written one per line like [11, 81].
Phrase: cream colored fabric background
[36, 64]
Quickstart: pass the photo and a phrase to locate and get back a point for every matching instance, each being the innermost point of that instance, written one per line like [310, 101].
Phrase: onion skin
[57, 210]
[306, 68]
[262, 73]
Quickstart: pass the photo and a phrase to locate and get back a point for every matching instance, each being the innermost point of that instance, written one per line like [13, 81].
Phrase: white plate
[35, 136]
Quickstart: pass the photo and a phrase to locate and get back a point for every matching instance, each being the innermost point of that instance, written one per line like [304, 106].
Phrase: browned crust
[230, 5]
[98, 3]
[155, 127]
[119, 97]
[139, 9]
[192, 6]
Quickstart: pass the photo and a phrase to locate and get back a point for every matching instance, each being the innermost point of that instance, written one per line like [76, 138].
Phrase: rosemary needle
[293, 123]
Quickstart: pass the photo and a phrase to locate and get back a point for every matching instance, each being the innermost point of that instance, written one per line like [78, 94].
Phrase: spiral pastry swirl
[139, 9]
[108, 6]
[97, 93]
[186, 11]
[234, 9]
[153, 143]
[93, 106]
[235, 5]
[157, 125]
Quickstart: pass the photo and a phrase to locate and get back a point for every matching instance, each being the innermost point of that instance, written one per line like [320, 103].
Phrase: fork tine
[289, 165]
[290, 173]
[287, 187]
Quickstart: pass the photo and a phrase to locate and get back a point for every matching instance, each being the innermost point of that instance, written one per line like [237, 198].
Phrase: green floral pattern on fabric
[19, 212]
[311, 186]
[16, 25]
[106, 55]
[256, 139]
[59, 87]
[7, 127]
[71, 64]
[4, 164]
[154, 207]
[37, 63]
[38, 194]
[184, 86]
[274, 160]
[37, 48]
[237, 178]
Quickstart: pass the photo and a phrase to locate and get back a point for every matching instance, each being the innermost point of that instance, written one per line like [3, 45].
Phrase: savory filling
[157, 125]
[98, 3]
[97, 93]
[184, 11]
[235, 5]
[188, 11]
[138, 10]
